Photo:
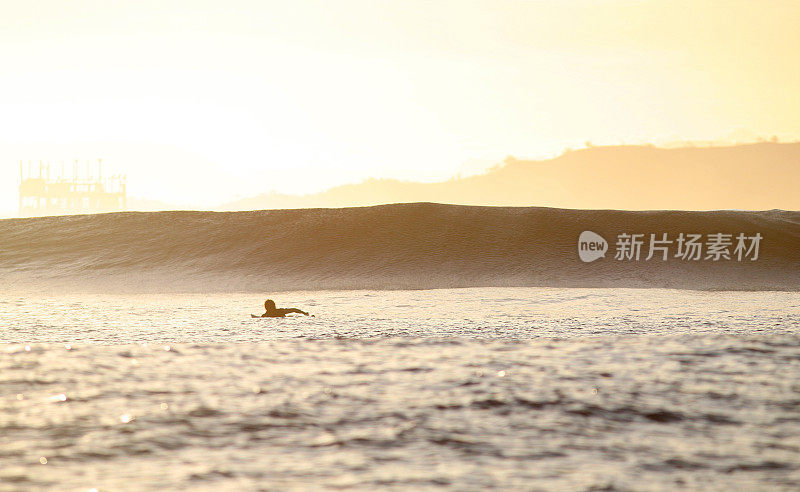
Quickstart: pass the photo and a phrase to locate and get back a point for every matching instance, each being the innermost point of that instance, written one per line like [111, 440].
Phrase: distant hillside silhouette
[752, 176]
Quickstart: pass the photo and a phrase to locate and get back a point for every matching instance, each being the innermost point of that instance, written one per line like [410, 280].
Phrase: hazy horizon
[200, 105]
[680, 176]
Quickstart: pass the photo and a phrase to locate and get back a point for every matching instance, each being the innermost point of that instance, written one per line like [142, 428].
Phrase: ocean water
[466, 389]
[399, 246]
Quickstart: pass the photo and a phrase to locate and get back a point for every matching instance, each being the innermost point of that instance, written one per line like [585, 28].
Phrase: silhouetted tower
[39, 195]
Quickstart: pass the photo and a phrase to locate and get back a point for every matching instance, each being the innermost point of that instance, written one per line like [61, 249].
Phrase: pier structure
[67, 195]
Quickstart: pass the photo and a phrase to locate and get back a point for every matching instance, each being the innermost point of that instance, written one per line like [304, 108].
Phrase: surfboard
[273, 317]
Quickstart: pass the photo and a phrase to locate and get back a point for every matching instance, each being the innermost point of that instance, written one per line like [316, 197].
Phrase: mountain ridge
[759, 176]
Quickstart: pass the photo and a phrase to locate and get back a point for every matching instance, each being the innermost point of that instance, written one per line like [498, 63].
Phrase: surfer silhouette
[274, 312]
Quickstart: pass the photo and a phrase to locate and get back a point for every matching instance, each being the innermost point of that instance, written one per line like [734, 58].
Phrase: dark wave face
[417, 245]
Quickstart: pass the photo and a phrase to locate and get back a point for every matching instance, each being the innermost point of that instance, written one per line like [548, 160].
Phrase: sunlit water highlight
[571, 389]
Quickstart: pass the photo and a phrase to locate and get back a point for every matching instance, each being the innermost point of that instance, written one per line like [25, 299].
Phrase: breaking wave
[400, 246]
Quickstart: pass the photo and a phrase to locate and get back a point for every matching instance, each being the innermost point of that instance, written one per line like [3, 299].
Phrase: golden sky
[200, 101]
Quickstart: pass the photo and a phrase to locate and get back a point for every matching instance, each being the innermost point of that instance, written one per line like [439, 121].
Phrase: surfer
[274, 312]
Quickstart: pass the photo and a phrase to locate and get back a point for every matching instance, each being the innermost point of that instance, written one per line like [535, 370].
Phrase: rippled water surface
[551, 389]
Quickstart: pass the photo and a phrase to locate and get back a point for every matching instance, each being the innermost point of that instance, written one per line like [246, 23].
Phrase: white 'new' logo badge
[591, 246]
